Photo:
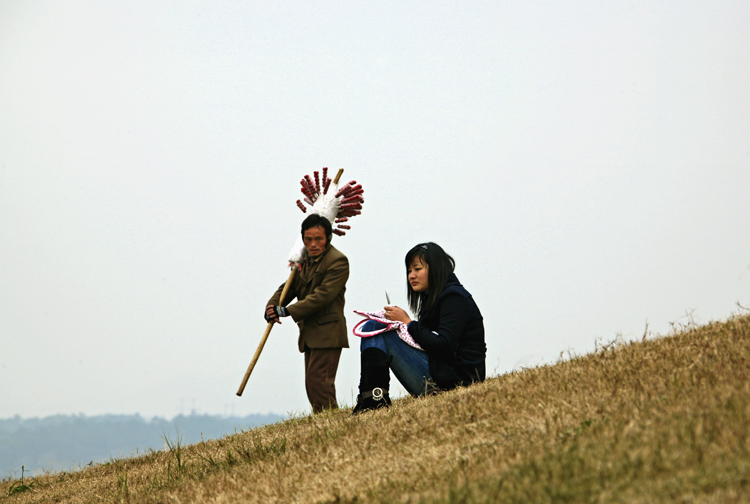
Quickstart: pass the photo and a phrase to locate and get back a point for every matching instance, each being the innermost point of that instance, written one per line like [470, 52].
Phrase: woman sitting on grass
[449, 329]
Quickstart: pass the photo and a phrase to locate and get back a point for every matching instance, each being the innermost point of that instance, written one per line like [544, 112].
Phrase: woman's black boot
[374, 381]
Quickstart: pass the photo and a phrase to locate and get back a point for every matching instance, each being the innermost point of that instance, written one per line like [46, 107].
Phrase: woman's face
[417, 275]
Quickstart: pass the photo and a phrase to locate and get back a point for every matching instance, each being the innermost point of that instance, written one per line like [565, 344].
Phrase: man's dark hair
[439, 267]
[315, 220]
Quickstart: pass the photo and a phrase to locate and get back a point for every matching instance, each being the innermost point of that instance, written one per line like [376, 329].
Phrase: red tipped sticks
[350, 197]
[326, 181]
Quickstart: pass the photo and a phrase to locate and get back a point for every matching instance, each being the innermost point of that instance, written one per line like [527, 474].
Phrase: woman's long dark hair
[439, 266]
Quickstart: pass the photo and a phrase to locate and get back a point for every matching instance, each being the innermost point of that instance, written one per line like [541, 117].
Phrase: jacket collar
[315, 260]
[451, 283]
[452, 280]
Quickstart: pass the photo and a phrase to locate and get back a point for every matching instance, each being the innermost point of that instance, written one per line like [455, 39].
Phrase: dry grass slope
[661, 420]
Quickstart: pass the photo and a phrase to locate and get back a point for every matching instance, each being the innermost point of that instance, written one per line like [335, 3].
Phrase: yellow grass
[661, 420]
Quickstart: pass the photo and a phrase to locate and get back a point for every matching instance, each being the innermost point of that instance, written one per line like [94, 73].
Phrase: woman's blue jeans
[409, 365]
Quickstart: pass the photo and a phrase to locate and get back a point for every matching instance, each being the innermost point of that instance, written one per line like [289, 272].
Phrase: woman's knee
[372, 326]
[375, 341]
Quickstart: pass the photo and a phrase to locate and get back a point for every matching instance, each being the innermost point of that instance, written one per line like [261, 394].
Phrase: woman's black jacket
[452, 334]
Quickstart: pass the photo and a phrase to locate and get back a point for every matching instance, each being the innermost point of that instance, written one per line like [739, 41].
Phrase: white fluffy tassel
[327, 205]
[298, 252]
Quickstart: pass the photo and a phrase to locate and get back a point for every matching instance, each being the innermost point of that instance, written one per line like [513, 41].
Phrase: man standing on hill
[319, 288]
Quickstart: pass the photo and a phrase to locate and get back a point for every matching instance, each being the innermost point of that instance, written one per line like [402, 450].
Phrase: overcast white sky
[586, 163]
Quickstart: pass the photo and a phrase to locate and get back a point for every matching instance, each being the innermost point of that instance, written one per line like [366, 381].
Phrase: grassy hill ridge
[659, 420]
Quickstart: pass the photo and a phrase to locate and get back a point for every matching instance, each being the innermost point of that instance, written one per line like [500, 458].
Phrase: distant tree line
[63, 443]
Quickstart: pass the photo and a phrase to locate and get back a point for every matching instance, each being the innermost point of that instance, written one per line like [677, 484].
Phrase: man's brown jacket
[319, 310]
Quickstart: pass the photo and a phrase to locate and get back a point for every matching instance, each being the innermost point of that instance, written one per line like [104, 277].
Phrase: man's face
[315, 240]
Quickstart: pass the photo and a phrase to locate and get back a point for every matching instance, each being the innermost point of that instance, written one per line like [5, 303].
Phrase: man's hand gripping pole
[270, 324]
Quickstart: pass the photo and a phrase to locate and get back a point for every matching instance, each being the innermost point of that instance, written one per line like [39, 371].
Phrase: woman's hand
[397, 314]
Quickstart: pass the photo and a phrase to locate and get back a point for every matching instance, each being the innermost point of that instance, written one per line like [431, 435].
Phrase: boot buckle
[377, 393]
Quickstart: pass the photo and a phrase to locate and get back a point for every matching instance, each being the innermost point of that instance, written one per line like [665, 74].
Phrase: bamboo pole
[267, 332]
